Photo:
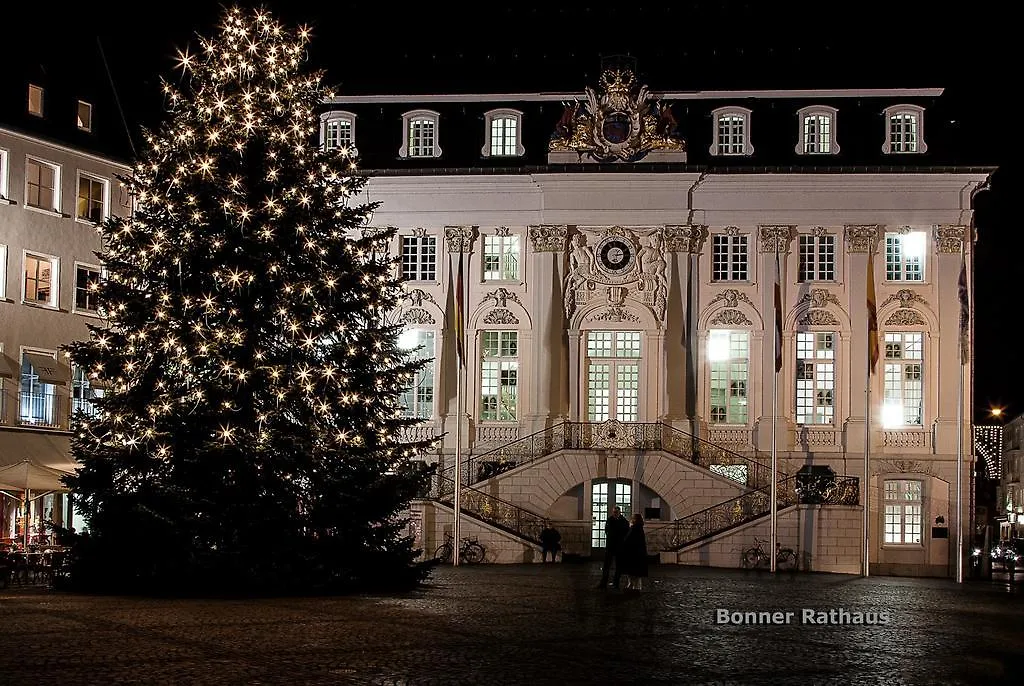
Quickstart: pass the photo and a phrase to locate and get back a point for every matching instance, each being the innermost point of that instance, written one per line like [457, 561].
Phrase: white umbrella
[28, 476]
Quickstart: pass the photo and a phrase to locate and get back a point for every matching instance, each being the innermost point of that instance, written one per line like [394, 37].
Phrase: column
[683, 243]
[945, 274]
[774, 241]
[459, 239]
[549, 377]
[860, 240]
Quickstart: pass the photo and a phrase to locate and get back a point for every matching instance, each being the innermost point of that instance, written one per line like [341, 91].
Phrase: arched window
[904, 130]
[817, 134]
[731, 133]
[420, 137]
[503, 134]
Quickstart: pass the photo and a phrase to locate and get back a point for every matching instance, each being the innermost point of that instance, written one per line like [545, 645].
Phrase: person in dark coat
[550, 541]
[615, 530]
[633, 555]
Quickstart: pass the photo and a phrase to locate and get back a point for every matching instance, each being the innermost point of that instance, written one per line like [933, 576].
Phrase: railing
[495, 511]
[45, 410]
[750, 506]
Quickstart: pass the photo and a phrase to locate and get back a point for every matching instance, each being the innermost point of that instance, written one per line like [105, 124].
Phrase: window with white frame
[501, 257]
[4, 172]
[420, 134]
[87, 280]
[419, 258]
[817, 257]
[817, 134]
[731, 133]
[3, 271]
[42, 181]
[815, 377]
[418, 398]
[338, 130]
[40, 279]
[84, 115]
[729, 357]
[37, 401]
[503, 134]
[92, 198]
[904, 256]
[729, 257]
[903, 512]
[499, 376]
[82, 392]
[904, 130]
[613, 376]
[35, 100]
[903, 378]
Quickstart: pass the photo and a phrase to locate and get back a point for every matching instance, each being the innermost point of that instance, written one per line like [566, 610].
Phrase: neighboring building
[57, 183]
[1010, 493]
[619, 249]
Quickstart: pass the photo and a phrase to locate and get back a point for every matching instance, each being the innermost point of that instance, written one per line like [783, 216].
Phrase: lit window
[420, 134]
[82, 392]
[904, 130]
[84, 118]
[729, 257]
[729, 357]
[731, 134]
[4, 171]
[3, 272]
[613, 376]
[817, 258]
[35, 100]
[501, 258]
[815, 377]
[903, 397]
[40, 280]
[338, 130]
[87, 280]
[92, 199]
[904, 256]
[903, 519]
[503, 134]
[41, 183]
[40, 375]
[499, 376]
[419, 258]
[418, 399]
[817, 134]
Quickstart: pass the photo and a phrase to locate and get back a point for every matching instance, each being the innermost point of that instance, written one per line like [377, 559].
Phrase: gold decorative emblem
[621, 123]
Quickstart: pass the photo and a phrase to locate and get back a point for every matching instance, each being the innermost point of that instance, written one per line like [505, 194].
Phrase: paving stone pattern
[526, 624]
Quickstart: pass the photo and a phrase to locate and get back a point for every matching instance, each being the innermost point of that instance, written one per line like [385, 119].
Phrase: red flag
[778, 315]
[872, 315]
[460, 321]
[965, 310]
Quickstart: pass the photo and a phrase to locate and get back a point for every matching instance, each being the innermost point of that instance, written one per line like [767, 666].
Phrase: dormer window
[503, 134]
[35, 100]
[731, 132]
[338, 130]
[420, 134]
[817, 135]
[84, 116]
[904, 130]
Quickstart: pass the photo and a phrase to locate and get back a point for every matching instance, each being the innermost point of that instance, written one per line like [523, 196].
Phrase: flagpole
[457, 528]
[871, 345]
[961, 285]
[773, 536]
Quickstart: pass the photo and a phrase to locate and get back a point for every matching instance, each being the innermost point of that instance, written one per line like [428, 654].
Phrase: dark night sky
[531, 46]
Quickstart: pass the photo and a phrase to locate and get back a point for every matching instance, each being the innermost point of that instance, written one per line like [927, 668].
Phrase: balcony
[41, 409]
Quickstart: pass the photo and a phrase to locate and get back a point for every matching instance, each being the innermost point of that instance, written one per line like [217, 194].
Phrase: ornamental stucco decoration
[417, 296]
[688, 238]
[862, 237]
[818, 298]
[774, 238]
[905, 318]
[500, 315]
[615, 314]
[950, 238]
[731, 298]
[502, 231]
[905, 297]
[417, 315]
[818, 318]
[460, 238]
[731, 318]
[501, 297]
[548, 237]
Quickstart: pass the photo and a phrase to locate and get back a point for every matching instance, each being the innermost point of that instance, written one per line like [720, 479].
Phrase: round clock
[615, 255]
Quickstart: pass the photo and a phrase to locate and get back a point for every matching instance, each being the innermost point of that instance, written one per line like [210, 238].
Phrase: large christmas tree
[249, 435]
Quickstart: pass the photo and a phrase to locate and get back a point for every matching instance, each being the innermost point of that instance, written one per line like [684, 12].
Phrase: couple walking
[626, 546]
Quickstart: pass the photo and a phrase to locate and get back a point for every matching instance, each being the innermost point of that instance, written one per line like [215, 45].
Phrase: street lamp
[996, 413]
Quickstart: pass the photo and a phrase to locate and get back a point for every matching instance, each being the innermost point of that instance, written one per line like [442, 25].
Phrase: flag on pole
[778, 314]
[460, 314]
[872, 316]
[965, 310]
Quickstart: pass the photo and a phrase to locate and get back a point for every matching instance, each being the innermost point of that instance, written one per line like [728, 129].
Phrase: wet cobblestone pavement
[527, 625]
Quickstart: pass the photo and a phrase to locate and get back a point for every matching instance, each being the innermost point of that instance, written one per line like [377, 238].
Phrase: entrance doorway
[604, 495]
[613, 376]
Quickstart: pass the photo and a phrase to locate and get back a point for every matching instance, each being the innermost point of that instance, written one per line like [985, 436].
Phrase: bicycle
[757, 557]
[471, 551]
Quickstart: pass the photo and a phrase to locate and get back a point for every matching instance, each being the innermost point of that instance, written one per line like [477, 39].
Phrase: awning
[49, 369]
[51, 450]
[28, 475]
[9, 368]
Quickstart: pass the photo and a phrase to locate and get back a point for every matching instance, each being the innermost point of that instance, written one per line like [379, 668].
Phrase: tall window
[40, 279]
[501, 258]
[92, 198]
[37, 400]
[903, 520]
[904, 129]
[613, 376]
[86, 285]
[35, 100]
[731, 134]
[41, 185]
[83, 116]
[903, 402]
[729, 255]
[499, 376]
[817, 131]
[817, 258]
[815, 377]
[904, 256]
[420, 134]
[729, 356]
[419, 258]
[503, 134]
[418, 399]
[82, 393]
[4, 171]
[338, 134]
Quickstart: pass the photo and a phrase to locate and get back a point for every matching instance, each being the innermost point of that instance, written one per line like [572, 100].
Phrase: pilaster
[683, 245]
[861, 240]
[549, 375]
[774, 241]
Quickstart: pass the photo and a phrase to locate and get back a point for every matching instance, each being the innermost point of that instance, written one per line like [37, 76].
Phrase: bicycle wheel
[443, 553]
[786, 559]
[473, 554]
[752, 558]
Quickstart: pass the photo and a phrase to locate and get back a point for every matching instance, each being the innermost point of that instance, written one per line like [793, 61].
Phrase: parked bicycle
[471, 551]
[757, 557]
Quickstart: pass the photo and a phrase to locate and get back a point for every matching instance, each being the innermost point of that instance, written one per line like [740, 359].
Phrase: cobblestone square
[530, 624]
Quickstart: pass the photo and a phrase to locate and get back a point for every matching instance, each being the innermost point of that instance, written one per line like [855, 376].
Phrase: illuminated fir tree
[249, 435]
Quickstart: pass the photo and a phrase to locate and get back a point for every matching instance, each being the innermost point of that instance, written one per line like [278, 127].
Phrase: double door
[606, 494]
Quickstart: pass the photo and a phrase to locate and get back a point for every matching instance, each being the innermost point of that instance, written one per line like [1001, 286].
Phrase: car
[1008, 554]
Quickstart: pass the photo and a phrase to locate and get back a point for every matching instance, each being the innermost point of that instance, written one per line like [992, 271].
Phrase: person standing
[633, 555]
[615, 530]
[550, 541]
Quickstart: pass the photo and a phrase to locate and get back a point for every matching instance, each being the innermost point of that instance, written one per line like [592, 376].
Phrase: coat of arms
[622, 122]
